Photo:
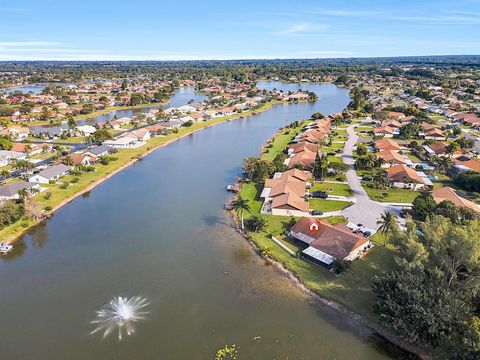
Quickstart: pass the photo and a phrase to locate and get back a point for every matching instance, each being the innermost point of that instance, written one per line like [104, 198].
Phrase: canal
[157, 230]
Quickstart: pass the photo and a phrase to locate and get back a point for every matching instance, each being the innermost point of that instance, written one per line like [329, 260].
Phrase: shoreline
[47, 215]
[374, 327]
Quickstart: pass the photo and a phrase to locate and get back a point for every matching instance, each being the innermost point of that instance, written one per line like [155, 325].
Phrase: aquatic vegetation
[120, 314]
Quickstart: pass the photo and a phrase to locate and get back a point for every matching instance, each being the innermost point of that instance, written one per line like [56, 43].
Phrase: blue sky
[195, 29]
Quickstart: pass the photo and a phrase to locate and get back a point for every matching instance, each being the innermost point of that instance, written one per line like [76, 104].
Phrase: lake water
[157, 229]
[180, 97]
[36, 88]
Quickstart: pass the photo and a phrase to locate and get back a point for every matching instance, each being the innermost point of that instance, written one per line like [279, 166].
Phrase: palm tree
[68, 160]
[240, 205]
[388, 224]
[23, 194]
[452, 148]
[443, 163]
[4, 174]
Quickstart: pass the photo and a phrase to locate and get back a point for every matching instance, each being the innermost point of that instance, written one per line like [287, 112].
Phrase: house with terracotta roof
[305, 159]
[284, 194]
[327, 243]
[391, 158]
[448, 194]
[439, 148]
[386, 131]
[32, 149]
[395, 115]
[387, 144]
[467, 165]
[302, 146]
[404, 177]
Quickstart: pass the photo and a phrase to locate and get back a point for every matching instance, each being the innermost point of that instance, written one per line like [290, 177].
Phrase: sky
[245, 29]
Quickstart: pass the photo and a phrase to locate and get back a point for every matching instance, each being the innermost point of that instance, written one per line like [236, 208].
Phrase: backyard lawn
[279, 142]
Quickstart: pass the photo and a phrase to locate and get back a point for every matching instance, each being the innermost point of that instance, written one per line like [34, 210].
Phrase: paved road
[364, 211]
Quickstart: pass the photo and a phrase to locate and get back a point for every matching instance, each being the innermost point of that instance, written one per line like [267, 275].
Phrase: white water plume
[120, 314]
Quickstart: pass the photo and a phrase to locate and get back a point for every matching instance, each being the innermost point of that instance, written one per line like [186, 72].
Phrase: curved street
[364, 210]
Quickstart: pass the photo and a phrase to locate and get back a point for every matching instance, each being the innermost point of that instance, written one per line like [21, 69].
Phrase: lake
[157, 229]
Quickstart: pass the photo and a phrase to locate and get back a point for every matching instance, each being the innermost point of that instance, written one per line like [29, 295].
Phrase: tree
[240, 205]
[423, 205]
[432, 297]
[452, 148]
[5, 143]
[362, 149]
[256, 223]
[317, 116]
[443, 163]
[388, 226]
[338, 168]
[320, 166]
[100, 135]
[23, 194]
[5, 174]
[33, 208]
[257, 169]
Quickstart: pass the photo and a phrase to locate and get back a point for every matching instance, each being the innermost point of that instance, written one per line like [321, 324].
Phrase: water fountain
[120, 313]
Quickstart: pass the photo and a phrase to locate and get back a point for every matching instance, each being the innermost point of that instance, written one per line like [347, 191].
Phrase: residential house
[439, 148]
[284, 193]
[387, 144]
[32, 149]
[404, 177]
[448, 194]
[327, 243]
[10, 191]
[51, 173]
[86, 130]
[7, 155]
[391, 158]
[101, 150]
[124, 142]
[17, 133]
[467, 165]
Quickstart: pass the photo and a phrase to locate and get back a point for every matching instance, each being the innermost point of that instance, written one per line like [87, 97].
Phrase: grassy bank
[60, 195]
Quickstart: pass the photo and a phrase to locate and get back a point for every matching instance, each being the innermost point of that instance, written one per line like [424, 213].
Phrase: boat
[5, 248]
[233, 188]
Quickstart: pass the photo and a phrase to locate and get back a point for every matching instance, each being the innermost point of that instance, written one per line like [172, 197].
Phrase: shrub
[48, 195]
[47, 208]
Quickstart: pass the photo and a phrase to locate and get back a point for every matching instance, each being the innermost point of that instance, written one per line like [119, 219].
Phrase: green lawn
[279, 142]
[327, 205]
[390, 195]
[338, 145]
[352, 288]
[332, 189]
[332, 158]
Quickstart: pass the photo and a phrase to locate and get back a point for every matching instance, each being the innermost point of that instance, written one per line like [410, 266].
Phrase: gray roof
[13, 188]
[54, 170]
[97, 150]
[49, 130]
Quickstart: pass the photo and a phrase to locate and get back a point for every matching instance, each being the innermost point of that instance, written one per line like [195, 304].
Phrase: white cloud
[296, 28]
[344, 13]
[453, 19]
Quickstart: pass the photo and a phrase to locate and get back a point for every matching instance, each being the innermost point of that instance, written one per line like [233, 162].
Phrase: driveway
[364, 211]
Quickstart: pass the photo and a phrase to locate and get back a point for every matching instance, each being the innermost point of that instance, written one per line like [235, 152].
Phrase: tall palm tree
[388, 224]
[240, 205]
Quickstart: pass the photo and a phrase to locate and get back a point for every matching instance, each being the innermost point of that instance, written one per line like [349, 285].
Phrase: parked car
[367, 233]
[367, 178]
[316, 213]
[319, 194]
